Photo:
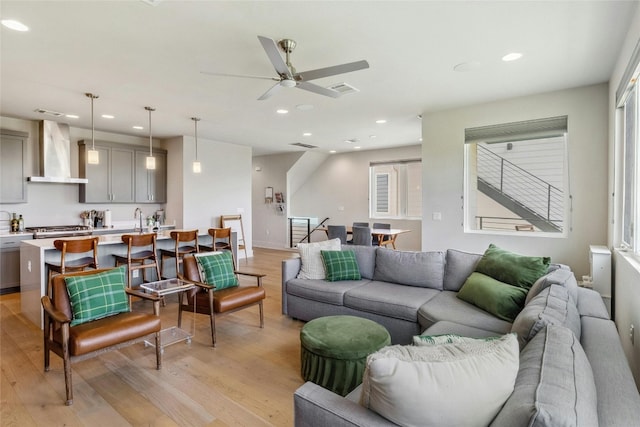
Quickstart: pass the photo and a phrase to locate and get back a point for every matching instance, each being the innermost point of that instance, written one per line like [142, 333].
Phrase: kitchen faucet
[138, 213]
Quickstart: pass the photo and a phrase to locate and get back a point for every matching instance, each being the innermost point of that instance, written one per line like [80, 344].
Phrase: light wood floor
[247, 380]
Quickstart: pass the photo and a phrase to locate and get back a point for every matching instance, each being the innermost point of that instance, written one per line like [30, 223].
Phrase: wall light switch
[437, 216]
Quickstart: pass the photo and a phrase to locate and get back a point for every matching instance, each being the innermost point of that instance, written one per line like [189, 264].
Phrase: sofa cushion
[323, 291]
[445, 327]
[366, 257]
[458, 266]
[511, 268]
[446, 306]
[312, 267]
[552, 306]
[555, 385]
[389, 299]
[424, 269]
[590, 303]
[560, 276]
[429, 385]
[99, 295]
[500, 299]
[340, 265]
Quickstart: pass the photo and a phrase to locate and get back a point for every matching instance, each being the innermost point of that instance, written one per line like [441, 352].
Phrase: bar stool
[73, 246]
[137, 260]
[220, 240]
[184, 236]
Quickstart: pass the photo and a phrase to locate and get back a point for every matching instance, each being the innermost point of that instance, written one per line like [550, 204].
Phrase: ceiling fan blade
[242, 76]
[270, 92]
[271, 48]
[332, 71]
[318, 89]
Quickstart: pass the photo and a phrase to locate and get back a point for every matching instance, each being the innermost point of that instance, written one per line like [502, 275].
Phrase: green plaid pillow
[95, 296]
[216, 268]
[340, 265]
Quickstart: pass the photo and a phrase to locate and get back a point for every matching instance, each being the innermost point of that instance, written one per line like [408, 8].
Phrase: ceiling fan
[287, 74]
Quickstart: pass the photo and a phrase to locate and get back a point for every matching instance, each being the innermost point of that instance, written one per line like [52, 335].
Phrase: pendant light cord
[196, 120]
[149, 109]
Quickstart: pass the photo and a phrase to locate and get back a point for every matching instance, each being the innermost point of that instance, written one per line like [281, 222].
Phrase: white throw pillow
[312, 265]
[455, 384]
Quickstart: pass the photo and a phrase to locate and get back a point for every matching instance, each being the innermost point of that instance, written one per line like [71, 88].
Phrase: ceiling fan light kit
[288, 76]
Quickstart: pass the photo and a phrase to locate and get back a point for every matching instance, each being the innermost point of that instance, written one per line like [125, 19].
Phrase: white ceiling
[133, 54]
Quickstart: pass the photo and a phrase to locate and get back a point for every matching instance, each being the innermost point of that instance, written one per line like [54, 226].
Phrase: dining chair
[146, 256]
[360, 224]
[361, 236]
[186, 242]
[88, 246]
[385, 239]
[337, 232]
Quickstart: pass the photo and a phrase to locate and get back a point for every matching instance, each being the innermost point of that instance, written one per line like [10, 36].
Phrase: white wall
[57, 204]
[223, 187]
[270, 224]
[339, 189]
[626, 286]
[443, 172]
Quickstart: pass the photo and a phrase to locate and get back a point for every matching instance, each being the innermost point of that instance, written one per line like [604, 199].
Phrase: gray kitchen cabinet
[13, 157]
[110, 181]
[151, 185]
[10, 263]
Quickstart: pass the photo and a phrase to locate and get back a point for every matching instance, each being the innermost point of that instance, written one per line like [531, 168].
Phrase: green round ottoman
[334, 350]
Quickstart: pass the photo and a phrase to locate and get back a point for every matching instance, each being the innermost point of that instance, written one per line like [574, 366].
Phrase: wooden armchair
[86, 340]
[217, 302]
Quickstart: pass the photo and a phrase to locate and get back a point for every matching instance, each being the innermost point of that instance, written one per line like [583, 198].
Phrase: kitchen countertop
[105, 239]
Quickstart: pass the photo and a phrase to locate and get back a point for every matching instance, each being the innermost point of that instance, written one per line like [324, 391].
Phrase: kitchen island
[35, 253]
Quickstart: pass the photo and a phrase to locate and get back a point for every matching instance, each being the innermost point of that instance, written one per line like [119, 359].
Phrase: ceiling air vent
[300, 144]
[344, 88]
[48, 112]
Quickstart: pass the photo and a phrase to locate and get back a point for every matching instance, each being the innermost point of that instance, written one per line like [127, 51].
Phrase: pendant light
[196, 164]
[151, 161]
[93, 157]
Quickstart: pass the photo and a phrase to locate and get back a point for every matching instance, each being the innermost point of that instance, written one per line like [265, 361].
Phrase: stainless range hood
[55, 154]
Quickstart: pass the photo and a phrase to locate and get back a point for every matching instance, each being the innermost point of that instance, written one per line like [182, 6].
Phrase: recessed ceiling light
[356, 147]
[14, 25]
[372, 136]
[307, 134]
[72, 116]
[138, 127]
[466, 66]
[332, 151]
[381, 121]
[108, 116]
[282, 111]
[512, 56]
[304, 107]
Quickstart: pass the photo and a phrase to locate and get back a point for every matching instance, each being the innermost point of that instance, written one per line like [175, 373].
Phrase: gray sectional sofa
[413, 293]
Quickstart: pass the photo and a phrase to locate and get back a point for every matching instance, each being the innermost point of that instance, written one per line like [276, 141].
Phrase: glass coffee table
[173, 334]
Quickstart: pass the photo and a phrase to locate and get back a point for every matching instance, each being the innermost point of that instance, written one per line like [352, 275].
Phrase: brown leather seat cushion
[101, 333]
[230, 298]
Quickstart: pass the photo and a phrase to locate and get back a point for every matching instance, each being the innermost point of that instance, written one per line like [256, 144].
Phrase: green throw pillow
[216, 268]
[498, 298]
[340, 265]
[511, 268]
[99, 295]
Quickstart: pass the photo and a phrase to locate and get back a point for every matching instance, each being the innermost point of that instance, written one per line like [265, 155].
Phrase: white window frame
[398, 193]
[512, 134]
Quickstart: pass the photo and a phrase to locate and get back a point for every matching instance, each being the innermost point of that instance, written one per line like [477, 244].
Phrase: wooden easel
[235, 222]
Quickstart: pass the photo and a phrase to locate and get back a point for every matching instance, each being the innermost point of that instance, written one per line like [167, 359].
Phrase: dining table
[380, 233]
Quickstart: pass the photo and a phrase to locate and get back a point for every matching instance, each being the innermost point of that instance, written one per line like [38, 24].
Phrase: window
[627, 122]
[516, 177]
[396, 189]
